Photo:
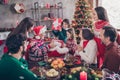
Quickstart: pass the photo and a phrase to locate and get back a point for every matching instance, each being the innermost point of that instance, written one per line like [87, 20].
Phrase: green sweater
[62, 35]
[12, 69]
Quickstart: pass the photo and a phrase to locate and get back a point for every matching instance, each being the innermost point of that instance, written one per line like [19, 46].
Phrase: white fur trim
[43, 30]
[37, 37]
[90, 54]
[56, 43]
[60, 50]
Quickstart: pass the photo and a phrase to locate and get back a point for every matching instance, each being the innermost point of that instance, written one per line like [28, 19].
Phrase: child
[37, 47]
[70, 44]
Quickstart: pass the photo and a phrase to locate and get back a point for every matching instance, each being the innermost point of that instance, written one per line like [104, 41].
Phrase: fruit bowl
[57, 63]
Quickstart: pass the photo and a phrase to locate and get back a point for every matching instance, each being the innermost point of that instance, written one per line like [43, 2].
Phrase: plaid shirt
[71, 46]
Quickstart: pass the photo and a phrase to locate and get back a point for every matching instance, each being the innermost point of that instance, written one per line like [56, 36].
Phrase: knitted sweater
[89, 55]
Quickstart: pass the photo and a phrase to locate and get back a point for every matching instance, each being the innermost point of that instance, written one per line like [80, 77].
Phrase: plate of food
[71, 61]
[97, 72]
[52, 74]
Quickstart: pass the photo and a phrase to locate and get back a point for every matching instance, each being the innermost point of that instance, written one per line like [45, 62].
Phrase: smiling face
[68, 35]
[95, 16]
[65, 25]
[104, 39]
[31, 29]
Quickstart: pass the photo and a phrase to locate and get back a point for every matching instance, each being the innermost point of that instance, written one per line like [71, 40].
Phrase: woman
[88, 47]
[101, 19]
[25, 26]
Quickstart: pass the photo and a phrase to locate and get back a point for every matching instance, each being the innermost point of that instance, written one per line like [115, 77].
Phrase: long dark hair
[23, 26]
[71, 33]
[87, 34]
[102, 13]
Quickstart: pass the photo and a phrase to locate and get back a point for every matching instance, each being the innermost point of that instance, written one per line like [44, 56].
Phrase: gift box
[57, 24]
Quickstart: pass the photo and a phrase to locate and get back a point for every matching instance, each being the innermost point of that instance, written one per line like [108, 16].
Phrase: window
[113, 10]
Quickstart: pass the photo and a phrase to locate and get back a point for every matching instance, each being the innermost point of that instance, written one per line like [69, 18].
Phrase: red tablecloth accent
[54, 54]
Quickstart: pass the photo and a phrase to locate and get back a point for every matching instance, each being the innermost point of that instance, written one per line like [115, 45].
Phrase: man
[112, 54]
[11, 67]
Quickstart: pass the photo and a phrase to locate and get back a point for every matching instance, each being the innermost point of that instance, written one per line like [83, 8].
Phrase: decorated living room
[59, 40]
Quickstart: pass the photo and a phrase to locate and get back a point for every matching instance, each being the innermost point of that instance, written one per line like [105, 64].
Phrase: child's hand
[64, 45]
[60, 29]
[52, 44]
[32, 43]
[79, 48]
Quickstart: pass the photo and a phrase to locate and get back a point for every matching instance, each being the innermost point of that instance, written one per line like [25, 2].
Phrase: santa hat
[57, 24]
[39, 30]
[19, 7]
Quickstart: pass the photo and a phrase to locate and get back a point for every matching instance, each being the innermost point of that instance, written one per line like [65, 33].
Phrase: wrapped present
[57, 24]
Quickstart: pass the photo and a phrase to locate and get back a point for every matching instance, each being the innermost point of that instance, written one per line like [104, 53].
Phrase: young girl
[70, 44]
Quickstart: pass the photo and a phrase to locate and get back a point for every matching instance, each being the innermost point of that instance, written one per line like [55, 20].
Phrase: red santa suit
[59, 50]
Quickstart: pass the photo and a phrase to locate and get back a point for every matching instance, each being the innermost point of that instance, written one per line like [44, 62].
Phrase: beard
[103, 42]
[24, 51]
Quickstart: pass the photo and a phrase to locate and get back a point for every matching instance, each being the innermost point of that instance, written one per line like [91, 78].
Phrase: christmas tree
[82, 16]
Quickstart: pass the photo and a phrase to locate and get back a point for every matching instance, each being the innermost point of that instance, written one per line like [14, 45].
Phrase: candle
[83, 75]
